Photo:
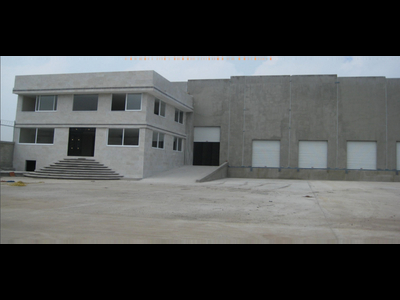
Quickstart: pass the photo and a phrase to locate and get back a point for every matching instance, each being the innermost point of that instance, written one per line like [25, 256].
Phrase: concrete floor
[178, 210]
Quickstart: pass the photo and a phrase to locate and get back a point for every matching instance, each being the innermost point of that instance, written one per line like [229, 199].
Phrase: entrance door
[81, 141]
[206, 146]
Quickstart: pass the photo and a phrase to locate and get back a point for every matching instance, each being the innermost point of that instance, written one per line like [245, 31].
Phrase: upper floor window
[159, 107]
[39, 103]
[126, 102]
[178, 116]
[46, 103]
[85, 102]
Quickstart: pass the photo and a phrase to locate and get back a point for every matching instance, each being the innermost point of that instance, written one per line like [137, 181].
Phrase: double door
[81, 141]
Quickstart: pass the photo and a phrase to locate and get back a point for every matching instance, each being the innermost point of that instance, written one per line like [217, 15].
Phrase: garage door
[266, 154]
[361, 155]
[313, 154]
[206, 146]
[398, 156]
[207, 134]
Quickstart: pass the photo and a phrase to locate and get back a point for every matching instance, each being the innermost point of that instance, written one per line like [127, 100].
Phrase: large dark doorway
[206, 154]
[81, 141]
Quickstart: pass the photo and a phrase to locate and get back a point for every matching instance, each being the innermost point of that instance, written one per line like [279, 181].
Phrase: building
[139, 124]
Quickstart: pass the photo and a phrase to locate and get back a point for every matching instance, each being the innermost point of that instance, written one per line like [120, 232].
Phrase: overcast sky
[183, 68]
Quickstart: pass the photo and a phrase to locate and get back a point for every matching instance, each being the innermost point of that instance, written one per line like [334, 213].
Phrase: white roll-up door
[313, 154]
[361, 155]
[266, 154]
[207, 134]
[398, 155]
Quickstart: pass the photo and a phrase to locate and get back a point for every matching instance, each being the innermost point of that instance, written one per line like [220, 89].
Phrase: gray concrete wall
[313, 114]
[310, 174]
[6, 155]
[296, 108]
[362, 115]
[220, 173]
[393, 120]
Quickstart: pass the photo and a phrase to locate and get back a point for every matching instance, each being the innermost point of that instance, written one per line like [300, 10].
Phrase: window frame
[37, 104]
[97, 102]
[160, 106]
[36, 136]
[123, 138]
[126, 101]
[180, 115]
[178, 143]
[158, 140]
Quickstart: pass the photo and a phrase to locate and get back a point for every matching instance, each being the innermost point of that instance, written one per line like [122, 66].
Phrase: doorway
[206, 154]
[30, 165]
[81, 141]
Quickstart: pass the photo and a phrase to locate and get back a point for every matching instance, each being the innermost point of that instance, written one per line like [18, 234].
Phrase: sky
[183, 68]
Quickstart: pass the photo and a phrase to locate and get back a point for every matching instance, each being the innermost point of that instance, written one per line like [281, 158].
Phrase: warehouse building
[139, 124]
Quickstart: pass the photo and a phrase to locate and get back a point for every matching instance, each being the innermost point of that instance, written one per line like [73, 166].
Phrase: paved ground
[157, 210]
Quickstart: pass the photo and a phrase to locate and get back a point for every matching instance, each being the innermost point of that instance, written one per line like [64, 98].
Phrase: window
[28, 103]
[46, 103]
[159, 107]
[36, 135]
[178, 116]
[39, 103]
[177, 144]
[85, 102]
[126, 102]
[158, 140]
[123, 137]
[133, 101]
[45, 136]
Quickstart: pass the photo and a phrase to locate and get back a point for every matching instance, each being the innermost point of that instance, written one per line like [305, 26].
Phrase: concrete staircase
[76, 168]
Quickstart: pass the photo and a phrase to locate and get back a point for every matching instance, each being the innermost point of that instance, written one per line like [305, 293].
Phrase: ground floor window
[36, 136]
[158, 140]
[123, 137]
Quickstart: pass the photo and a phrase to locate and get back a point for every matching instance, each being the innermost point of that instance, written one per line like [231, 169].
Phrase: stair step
[76, 168]
[58, 176]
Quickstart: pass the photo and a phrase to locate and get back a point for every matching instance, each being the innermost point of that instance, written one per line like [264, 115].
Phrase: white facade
[123, 109]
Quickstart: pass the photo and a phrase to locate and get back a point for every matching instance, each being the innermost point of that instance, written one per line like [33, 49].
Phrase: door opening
[81, 141]
[206, 154]
[30, 165]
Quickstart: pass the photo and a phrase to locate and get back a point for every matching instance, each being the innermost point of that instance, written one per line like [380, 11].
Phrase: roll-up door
[266, 154]
[207, 134]
[398, 155]
[206, 146]
[313, 154]
[361, 155]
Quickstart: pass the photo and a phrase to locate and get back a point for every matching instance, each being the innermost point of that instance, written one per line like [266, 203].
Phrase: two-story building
[139, 124]
[136, 123]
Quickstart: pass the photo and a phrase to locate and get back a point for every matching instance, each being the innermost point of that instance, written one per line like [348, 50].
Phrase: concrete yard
[228, 210]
